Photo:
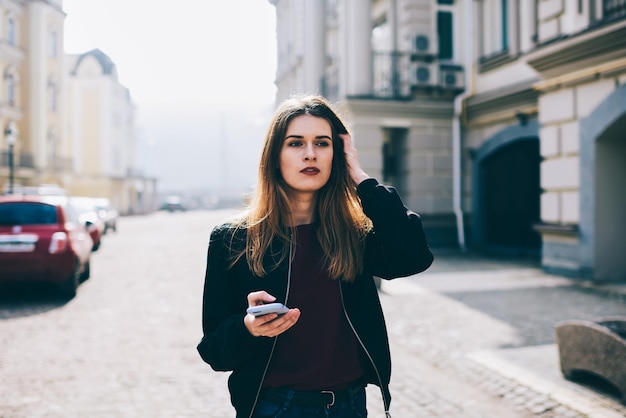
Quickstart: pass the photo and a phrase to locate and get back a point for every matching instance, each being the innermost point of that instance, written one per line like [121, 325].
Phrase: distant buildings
[500, 121]
[71, 120]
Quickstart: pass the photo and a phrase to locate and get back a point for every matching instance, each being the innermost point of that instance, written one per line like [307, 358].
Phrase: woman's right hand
[269, 325]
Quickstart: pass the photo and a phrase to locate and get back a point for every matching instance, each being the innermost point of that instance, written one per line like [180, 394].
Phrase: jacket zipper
[369, 356]
[269, 359]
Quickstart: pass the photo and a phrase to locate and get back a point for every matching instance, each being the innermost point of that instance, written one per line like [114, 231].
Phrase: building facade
[31, 57]
[48, 104]
[101, 130]
[499, 121]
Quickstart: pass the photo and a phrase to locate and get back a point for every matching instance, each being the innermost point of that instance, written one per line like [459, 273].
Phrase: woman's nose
[309, 154]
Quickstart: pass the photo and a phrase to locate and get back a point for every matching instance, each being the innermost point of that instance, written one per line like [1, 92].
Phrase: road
[125, 346]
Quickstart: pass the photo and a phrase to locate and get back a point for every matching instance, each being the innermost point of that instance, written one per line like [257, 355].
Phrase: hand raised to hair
[354, 166]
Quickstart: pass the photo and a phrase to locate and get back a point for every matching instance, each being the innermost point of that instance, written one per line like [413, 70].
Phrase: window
[52, 145]
[21, 213]
[53, 44]
[53, 97]
[505, 25]
[11, 31]
[445, 30]
[11, 86]
[495, 26]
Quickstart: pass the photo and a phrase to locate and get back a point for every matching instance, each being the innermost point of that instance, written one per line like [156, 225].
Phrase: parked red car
[42, 240]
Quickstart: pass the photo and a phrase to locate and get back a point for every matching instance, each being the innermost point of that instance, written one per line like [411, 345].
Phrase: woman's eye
[323, 144]
[294, 143]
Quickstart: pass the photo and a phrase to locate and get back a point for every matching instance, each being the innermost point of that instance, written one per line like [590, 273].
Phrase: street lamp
[10, 133]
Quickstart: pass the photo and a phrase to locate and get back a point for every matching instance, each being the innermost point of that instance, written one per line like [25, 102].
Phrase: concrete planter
[595, 347]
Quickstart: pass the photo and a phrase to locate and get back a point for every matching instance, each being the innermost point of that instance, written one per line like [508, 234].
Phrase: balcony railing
[613, 9]
[24, 160]
[391, 75]
[400, 75]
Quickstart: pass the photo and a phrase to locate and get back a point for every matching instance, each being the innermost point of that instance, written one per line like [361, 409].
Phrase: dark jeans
[353, 407]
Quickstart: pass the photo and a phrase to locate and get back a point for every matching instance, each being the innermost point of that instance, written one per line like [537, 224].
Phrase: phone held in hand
[268, 308]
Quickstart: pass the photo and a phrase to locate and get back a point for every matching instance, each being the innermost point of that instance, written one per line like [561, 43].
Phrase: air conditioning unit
[422, 48]
[423, 74]
[451, 77]
[421, 43]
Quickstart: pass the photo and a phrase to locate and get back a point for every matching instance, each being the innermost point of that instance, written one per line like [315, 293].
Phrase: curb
[568, 394]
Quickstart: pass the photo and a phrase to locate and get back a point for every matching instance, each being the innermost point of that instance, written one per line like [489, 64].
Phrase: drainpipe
[457, 174]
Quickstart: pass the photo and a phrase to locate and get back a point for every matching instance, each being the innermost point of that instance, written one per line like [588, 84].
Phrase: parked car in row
[88, 215]
[42, 239]
[107, 213]
[173, 204]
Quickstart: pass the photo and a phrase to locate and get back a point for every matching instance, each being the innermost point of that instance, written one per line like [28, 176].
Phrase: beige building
[66, 120]
[31, 60]
[101, 130]
[500, 121]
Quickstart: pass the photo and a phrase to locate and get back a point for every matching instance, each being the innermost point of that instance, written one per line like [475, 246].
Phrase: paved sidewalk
[470, 318]
[470, 338]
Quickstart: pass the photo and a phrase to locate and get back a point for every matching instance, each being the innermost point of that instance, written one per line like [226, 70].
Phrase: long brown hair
[342, 226]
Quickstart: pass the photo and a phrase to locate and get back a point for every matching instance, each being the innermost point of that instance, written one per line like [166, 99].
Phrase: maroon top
[320, 351]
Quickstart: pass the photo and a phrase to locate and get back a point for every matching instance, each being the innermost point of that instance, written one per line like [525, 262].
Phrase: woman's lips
[310, 170]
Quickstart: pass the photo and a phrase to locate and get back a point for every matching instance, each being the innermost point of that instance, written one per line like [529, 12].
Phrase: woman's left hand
[354, 166]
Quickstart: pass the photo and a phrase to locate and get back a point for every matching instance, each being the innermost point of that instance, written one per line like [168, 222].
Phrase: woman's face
[306, 155]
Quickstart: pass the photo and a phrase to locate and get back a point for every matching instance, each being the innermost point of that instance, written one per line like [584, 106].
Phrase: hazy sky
[183, 51]
[200, 72]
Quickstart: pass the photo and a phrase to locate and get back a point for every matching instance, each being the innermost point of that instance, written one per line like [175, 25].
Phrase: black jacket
[396, 247]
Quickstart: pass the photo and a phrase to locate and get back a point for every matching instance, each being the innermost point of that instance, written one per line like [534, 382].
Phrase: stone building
[500, 121]
[66, 120]
[102, 132]
[31, 93]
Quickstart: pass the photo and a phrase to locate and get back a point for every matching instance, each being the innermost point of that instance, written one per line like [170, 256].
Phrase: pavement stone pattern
[125, 346]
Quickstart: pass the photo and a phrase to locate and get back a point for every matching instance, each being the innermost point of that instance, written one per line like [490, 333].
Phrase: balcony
[613, 10]
[24, 160]
[391, 75]
[403, 75]
[598, 45]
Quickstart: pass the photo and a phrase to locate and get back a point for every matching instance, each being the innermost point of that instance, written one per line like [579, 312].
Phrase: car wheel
[86, 272]
[67, 288]
[95, 247]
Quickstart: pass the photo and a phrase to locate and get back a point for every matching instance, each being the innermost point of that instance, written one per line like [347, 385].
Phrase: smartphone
[268, 308]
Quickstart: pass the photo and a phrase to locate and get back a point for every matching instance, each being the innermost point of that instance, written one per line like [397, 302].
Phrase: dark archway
[506, 198]
[511, 197]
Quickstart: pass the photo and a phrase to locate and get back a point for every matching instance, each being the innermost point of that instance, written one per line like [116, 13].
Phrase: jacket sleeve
[396, 247]
[226, 342]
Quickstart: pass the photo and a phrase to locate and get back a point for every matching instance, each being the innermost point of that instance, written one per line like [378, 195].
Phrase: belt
[327, 398]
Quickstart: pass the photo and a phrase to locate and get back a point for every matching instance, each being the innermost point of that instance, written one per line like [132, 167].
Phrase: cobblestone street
[125, 346]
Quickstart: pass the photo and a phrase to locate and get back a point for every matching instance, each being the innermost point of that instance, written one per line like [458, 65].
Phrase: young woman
[317, 230]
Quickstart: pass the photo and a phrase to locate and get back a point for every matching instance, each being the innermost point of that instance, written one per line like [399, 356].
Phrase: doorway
[510, 198]
[610, 203]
